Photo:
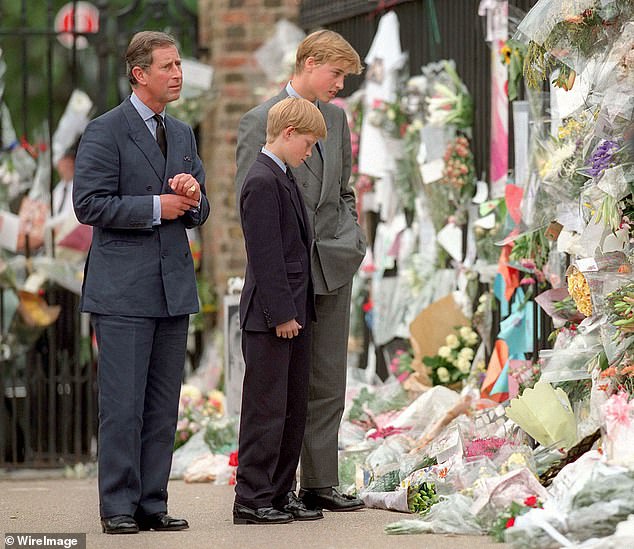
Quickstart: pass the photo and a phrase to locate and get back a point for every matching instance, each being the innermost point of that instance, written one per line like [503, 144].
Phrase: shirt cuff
[156, 210]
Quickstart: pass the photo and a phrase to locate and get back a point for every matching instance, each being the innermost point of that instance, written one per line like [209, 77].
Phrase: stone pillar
[231, 30]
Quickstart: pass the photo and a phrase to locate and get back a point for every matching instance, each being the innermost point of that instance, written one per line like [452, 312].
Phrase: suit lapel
[142, 137]
[291, 187]
[175, 148]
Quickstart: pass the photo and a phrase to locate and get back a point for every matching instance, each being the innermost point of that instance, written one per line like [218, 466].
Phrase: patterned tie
[161, 138]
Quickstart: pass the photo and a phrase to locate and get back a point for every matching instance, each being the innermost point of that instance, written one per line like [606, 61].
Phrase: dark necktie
[161, 139]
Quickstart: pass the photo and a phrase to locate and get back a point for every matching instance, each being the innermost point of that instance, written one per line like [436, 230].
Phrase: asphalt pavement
[70, 505]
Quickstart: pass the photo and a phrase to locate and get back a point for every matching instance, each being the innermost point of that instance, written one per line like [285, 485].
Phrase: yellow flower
[452, 341]
[505, 51]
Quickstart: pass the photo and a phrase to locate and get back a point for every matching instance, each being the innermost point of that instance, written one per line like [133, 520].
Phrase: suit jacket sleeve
[96, 184]
[347, 192]
[251, 138]
[192, 218]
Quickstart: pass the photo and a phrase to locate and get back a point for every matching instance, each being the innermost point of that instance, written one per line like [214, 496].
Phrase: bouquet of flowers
[195, 410]
[506, 519]
[452, 364]
[401, 365]
[450, 101]
[390, 117]
[459, 171]
[621, 309]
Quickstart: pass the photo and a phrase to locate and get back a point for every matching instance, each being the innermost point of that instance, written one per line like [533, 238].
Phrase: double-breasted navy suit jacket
[278, 285]
[134, 268]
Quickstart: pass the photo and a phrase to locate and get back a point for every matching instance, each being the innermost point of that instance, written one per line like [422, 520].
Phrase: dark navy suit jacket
[278, 285]
[133, 268]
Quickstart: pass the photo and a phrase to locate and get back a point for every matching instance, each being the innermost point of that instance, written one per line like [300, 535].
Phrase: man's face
[299, 147]
[164, 77]
[325, 81]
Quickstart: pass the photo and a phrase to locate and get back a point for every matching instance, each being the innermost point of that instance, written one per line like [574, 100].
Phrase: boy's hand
[288, 329]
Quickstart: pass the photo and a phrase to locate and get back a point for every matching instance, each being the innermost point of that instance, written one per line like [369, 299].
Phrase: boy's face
[324, 81]
[298, 146]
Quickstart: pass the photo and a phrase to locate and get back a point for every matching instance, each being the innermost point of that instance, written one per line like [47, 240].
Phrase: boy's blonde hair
[327, 46]
[299, 113]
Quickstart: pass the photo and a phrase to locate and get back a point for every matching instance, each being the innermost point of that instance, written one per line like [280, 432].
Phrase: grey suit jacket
[339, 245]
[133, 268]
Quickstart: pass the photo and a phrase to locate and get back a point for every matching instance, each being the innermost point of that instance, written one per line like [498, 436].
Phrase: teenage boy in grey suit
[140, 183]
[323, 60]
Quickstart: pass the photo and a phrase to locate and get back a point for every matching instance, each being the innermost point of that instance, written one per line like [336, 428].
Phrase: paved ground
[71, 506]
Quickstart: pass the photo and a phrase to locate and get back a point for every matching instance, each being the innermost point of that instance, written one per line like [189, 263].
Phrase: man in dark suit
[276, 312]
[140, 183]
[323, 60]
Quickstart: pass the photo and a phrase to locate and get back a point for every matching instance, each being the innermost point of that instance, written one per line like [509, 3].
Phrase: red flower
[531, 501]
[510, 522]
[233, 459]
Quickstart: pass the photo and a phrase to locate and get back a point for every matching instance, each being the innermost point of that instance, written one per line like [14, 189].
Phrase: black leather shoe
[119, 524]
[331, 500]
[262, 515]
[162, 522]
[298, 509]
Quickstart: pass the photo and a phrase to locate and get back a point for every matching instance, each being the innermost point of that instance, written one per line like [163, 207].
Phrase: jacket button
[148, 188]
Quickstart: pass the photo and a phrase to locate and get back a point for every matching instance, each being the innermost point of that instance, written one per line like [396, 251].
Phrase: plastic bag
[451, 515]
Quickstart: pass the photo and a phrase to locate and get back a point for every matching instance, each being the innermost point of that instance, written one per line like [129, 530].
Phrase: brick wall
[232, 30]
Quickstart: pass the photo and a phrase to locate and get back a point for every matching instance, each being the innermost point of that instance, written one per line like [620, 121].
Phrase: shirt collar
[144, 111]
[275, 159]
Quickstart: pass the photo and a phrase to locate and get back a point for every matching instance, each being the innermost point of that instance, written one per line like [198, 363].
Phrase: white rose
[452, 341]
[443, 374]
[444, 352]
[466, 353]
[465, 332]
[463, 364]
[473, 339]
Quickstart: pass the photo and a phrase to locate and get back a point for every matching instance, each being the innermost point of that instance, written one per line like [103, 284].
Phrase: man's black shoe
[119, 524]
[162, 522]
[330, 499]
[298, 509]
[262, 515]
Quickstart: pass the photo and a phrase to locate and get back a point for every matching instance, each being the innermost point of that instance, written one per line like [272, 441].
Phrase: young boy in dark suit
[276, 311]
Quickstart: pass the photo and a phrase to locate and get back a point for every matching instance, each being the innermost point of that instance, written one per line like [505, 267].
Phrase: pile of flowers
[452, 363]
[195, 410]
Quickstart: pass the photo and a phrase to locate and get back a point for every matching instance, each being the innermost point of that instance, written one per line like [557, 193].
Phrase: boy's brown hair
[299, 113]
[327, 46]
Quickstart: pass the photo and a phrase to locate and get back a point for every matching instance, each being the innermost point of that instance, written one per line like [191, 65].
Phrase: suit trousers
[139, 375]
[327, 390]
[273, 416]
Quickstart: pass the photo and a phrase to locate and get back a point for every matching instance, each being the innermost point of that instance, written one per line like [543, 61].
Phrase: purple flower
[602, 158]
